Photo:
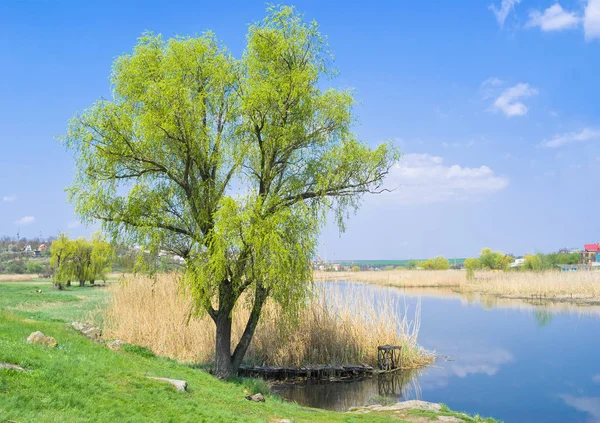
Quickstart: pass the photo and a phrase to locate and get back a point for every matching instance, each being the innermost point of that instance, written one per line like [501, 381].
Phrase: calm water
[514, 361]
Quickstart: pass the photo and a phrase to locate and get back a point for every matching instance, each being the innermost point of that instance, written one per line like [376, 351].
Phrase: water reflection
[543, 317]
[588, 405]
[518, 361]
[386, 388]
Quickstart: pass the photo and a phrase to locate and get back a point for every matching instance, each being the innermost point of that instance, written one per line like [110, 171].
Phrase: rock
[416, 404]
[10, 366]
[180, 385]
[280, 421]
[39, 338]
[78, 326]
[450, 419]
[88, 331]
[38, 291]
[115, 345]
[404, 405]
[256, 398]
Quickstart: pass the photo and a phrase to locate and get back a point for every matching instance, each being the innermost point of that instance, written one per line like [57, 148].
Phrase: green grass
[83, 381]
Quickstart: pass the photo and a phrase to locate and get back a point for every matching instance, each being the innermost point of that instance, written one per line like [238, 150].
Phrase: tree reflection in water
[383, 388]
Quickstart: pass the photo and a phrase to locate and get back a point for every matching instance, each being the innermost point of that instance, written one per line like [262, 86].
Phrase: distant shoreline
[582, 288]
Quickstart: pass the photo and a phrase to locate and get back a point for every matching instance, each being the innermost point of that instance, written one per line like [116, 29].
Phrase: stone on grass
[115, 345]
[39, 338]
[404, 405]
[88, 331]
[10, 366]
[450, 419]
[256, 398]
[180, 385]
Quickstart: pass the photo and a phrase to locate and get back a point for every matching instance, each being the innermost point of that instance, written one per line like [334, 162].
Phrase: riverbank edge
[421, 412]
[465, 288]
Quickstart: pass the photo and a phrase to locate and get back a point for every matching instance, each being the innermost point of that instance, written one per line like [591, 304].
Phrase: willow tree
[232, 164]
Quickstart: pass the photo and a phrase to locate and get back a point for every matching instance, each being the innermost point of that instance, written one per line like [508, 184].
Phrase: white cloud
[554, 18]
[559, 140]
[9, 198]
[589, 405]
[424, 179]
[479, 363]
[508, 102]
[591, 19]
[26, 220]
[502, 12]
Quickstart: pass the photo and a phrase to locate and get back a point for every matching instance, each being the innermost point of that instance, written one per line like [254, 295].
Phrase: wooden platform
[347, 371]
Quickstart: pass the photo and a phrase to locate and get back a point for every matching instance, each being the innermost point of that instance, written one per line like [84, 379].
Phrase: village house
[591, 254]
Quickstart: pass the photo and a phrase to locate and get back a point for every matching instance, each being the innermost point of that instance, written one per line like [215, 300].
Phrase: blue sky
[494, 105]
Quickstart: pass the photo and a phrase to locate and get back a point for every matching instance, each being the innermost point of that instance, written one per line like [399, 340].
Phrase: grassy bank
[335, 327]
[580, 286]
[82, 381]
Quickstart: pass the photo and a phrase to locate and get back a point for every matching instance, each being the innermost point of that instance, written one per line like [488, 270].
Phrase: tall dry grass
[334, 327]
[398, 278]
[11, 278]
[581, 285]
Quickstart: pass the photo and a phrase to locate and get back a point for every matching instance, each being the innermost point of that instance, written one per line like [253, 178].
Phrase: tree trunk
[58, 286]
[260, 297]
[68, 283]
[92, 281]
[223, 362]
[81, 283]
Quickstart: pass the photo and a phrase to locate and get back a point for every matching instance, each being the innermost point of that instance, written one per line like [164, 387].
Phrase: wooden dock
[348, 371]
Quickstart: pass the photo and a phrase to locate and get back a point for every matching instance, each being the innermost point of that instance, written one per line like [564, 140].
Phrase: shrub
[34, 267]
[17, 267]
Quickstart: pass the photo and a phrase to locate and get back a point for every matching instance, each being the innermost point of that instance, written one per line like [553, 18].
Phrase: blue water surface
[509, 359]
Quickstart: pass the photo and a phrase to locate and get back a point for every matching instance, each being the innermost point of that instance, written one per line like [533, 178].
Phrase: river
[512, 360]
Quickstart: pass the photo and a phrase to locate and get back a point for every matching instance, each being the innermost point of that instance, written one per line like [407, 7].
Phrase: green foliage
[355, 268]
[533, 262]
[412, 264]
[80, 259]
[472, 263]
[494, 260]
[17, 267]
[437, 263]
[229, 163]
[540, 261]
[35, 266]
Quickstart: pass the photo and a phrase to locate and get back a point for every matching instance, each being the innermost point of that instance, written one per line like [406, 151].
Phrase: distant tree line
[495, 260]
[80, 260]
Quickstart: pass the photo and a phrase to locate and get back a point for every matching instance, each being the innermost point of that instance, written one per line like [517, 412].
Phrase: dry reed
[580, 286]
[334, 327]
[11, 278]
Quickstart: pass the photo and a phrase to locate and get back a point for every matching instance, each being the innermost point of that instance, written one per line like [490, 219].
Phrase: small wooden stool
[388, 357]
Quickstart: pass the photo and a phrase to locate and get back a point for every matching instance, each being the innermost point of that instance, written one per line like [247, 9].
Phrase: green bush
[17, 267]
[34, 267]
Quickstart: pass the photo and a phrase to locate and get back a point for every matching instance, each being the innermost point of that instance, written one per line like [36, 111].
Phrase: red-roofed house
[591, 253]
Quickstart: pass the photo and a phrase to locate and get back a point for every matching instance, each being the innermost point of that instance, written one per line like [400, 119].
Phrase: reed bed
[11, 278]
[333, 327]
[579, 286]
[398, 278]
